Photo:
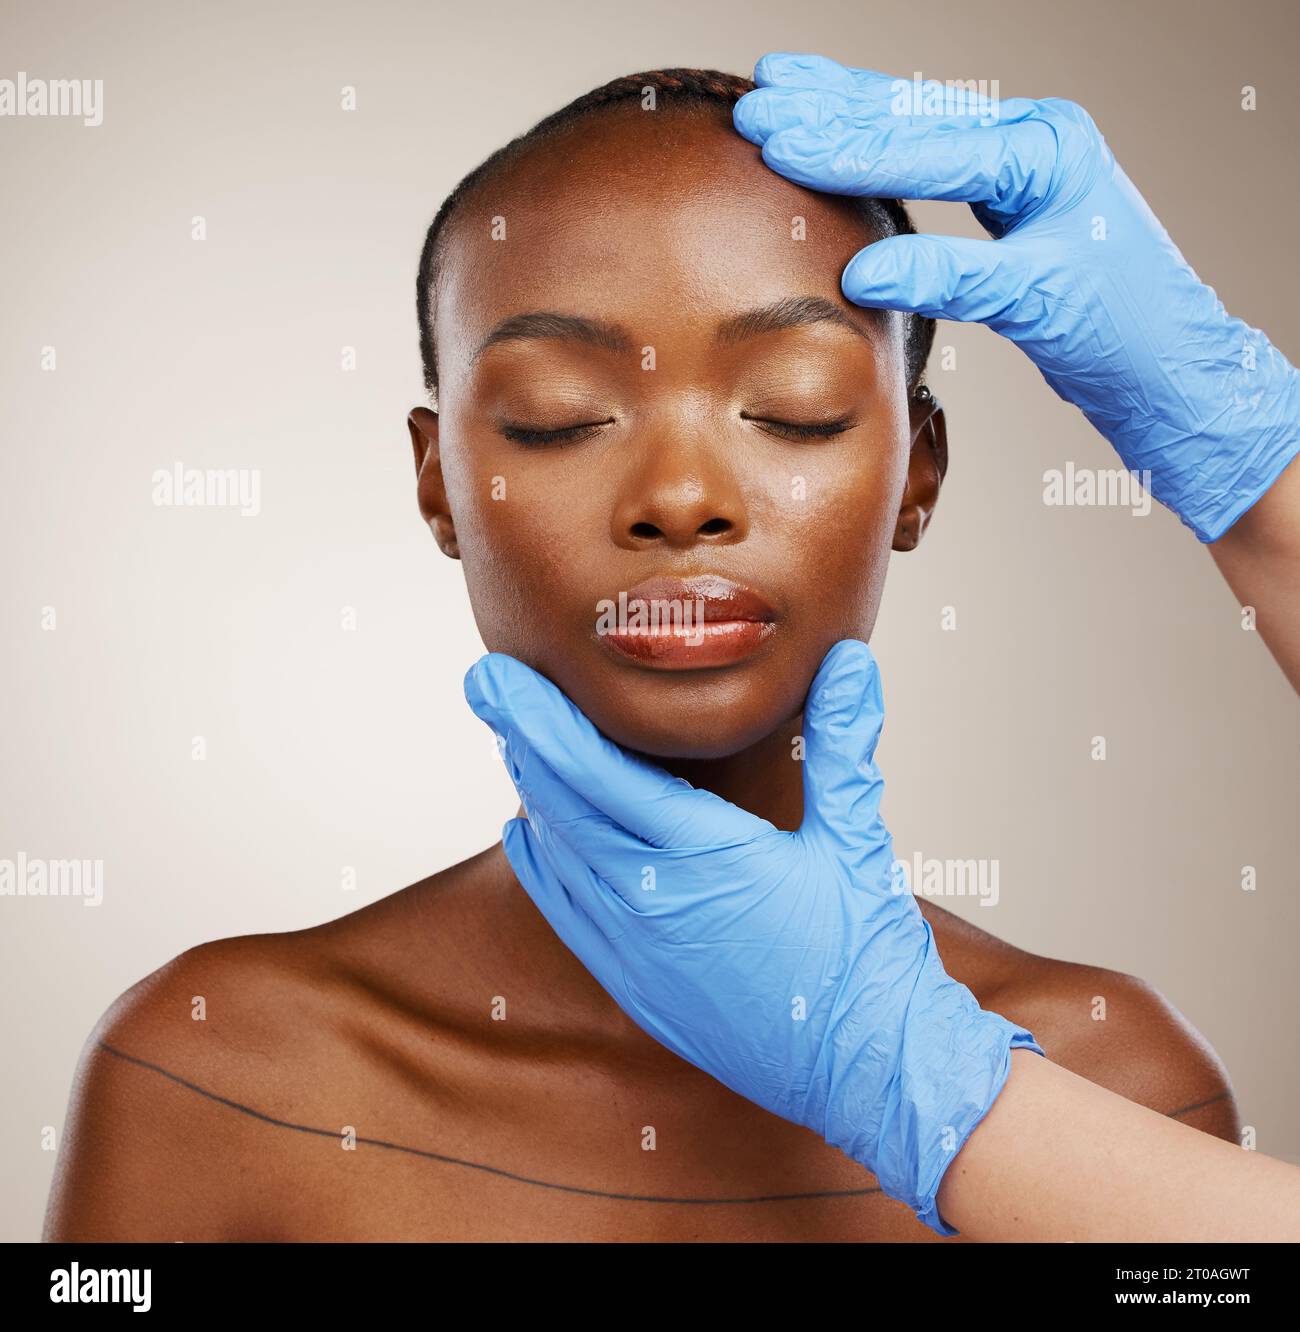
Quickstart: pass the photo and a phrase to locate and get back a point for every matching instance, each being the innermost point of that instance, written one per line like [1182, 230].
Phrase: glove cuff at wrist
[975, 1101]
[1211, 468]
[950, 1060]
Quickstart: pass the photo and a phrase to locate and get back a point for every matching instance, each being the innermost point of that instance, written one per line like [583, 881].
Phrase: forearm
[1260, 557]
[1060, 1158]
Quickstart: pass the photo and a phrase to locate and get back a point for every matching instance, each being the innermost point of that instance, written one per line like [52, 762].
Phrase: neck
[766, 779]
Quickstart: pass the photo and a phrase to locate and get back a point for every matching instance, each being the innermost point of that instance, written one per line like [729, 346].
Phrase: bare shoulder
[166, 1132]
[1107, 1026]
[1123, 1034]
[149, 1148]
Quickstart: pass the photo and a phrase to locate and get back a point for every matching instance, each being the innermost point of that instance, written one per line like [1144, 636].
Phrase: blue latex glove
[1082, 276]
[795, 967]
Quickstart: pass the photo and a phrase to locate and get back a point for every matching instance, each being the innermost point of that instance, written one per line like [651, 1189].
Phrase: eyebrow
[791, 312]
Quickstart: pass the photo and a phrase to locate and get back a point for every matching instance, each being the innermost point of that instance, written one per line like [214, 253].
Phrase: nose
[681, 495]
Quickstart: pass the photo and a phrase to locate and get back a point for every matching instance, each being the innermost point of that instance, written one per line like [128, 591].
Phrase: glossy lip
[732, 623]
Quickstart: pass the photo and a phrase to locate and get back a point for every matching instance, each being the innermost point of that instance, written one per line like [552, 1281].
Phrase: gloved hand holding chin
[795, 967]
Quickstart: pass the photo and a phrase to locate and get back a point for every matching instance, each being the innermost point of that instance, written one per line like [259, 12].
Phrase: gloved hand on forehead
[795, 967]
[1080, 275]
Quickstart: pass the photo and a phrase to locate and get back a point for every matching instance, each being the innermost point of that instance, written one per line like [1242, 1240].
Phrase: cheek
[521, 544]
[839, 527]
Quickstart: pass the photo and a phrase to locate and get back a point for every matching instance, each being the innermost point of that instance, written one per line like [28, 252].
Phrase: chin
[680, 715]
[666, 746]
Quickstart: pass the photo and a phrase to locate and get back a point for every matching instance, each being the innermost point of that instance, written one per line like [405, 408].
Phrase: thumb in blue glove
[795, 967]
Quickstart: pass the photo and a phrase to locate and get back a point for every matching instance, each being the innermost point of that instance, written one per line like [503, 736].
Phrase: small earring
[923, 394]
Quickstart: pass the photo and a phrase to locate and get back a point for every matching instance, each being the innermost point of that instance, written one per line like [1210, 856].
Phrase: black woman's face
[670, 229]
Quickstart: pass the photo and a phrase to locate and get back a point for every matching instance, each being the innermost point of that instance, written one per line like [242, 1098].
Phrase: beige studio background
[329, 748]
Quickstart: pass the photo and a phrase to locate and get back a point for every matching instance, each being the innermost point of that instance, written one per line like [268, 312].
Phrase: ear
[431, 490]
[926, 468]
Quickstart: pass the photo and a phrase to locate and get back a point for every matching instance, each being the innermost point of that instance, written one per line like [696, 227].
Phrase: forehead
[651, 219]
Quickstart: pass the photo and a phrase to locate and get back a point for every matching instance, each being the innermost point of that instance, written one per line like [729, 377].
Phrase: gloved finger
[806, 69]
[663, 810]
[869, 93]
[767, 111]
[886, 103]
[625, 863]
[942, 277]
[843, 717]
[1006, 168]
[784, 71]
[578, 907]
[592, 839]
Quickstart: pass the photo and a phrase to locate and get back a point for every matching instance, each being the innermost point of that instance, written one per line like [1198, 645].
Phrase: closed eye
[565, 434]
[529, 435]
[801, 429]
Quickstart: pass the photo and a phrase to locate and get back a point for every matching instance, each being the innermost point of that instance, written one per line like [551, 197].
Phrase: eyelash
[525, 435]
[816, 430]
[793, 430]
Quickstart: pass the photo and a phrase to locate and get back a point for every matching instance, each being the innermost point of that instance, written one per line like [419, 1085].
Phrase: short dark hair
[681, 89]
